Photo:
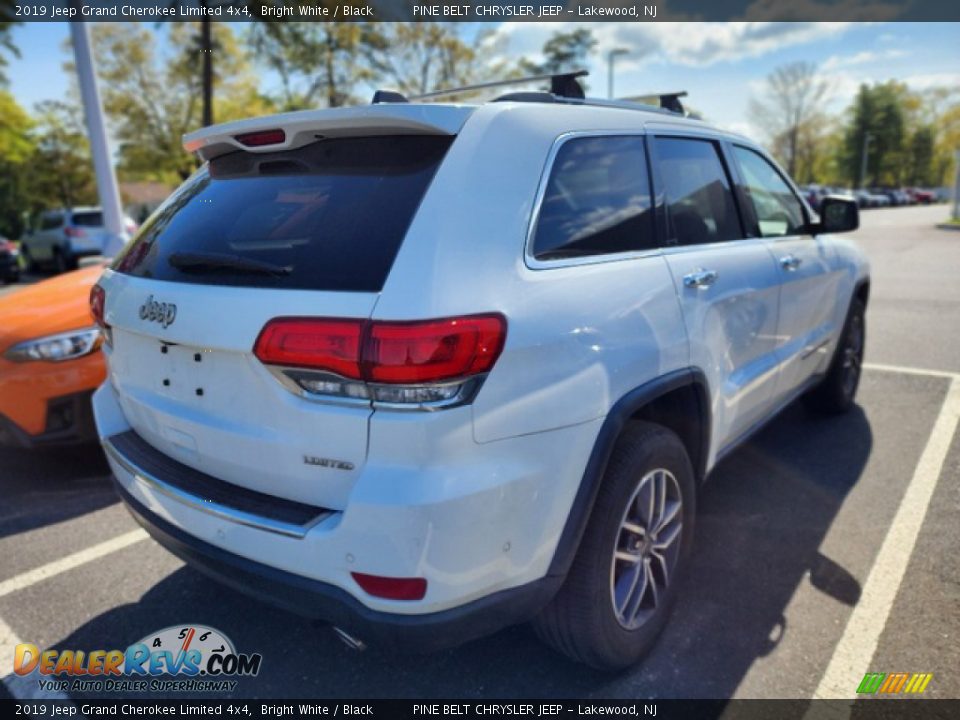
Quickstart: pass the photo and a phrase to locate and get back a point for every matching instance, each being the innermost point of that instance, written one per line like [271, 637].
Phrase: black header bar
[483, 10]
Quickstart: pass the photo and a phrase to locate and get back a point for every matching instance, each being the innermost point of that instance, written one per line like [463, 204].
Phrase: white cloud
[861, 58]
[690, 44]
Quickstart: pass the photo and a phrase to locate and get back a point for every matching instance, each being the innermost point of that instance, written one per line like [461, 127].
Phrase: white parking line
[902, 370]
[853, 654]
[31, 577]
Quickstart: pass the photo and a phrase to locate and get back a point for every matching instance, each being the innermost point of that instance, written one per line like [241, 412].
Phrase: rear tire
[838, 390]
[61, 263]
[29, 264]
[623, 582]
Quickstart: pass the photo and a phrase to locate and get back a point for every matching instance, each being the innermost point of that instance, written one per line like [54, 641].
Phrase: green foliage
[7, 46]
[61, 171]
[16, 149]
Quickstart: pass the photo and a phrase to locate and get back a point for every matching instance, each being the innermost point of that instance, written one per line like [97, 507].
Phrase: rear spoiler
[273, 133]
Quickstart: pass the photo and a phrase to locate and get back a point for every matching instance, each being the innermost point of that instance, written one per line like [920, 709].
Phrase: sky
[721, 65]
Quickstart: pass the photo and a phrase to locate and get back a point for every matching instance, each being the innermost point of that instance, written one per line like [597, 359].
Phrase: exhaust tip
[349, 640]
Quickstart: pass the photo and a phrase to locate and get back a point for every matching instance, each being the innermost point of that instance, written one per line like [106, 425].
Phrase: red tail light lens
[73, 232]
[424, 352]
[392, 588]
[261, 138]
[410, 353]
[318, 344]
[98, 300]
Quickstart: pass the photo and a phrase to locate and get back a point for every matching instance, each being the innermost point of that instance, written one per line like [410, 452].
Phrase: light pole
[611, 56]
[867, 137]
[102, 165]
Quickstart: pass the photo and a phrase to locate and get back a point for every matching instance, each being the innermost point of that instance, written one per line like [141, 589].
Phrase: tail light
[392, 588]
[98, 301]
[74, 232]
[433, 362]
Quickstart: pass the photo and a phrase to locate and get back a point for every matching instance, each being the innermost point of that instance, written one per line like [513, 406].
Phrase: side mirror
[838, 214]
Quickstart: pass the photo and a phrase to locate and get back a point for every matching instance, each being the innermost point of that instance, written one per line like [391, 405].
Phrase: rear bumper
[329, 603]
[481, 529]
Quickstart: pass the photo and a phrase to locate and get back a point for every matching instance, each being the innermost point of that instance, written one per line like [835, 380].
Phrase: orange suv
[50, 361]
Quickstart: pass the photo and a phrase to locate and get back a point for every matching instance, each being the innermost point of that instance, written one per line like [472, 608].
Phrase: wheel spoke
[662, 562]
[627, 557]
[670, 514]
[637, 591]
[634, 528]
[652, 584]
[631, 579]
[668, 538]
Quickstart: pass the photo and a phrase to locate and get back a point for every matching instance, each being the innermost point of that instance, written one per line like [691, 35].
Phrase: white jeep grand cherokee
[426, 371]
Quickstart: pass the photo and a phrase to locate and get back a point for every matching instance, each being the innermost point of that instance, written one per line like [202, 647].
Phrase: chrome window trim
[532, 262]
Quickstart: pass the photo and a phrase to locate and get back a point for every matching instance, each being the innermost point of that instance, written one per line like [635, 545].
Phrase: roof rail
[561, 85]
[668, 101]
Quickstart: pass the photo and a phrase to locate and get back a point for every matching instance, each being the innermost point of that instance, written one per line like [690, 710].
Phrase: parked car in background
[893, 196]
[923, 197]
[62, 237]
[868, 199]
[9, 261]
[50, 361]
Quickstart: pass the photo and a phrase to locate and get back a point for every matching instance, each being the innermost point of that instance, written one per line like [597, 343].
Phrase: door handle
[700, 278]
[790, 262]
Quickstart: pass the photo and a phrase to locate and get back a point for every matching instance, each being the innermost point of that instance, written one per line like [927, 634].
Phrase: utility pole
[867, 137]
[611, 56]
[103, 167]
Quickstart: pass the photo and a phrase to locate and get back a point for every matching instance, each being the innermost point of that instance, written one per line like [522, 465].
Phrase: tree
[316, 60]
[153, 100]
[564, 51]
[921, 155]
[61, 170]
[876, 126]
[422, 57]
[791, 110]
[16, 150]
[7, 15]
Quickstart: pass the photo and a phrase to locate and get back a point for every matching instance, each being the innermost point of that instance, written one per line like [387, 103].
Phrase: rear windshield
[88, 219]
[327, 216]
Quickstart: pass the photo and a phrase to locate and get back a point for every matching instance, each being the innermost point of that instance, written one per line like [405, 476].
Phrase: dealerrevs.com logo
[186, 658]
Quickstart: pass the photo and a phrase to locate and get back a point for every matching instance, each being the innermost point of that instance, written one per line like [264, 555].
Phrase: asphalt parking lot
[824, 549]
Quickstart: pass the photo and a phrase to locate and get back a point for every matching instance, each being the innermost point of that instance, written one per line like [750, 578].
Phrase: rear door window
[51, 221]
[597, 200]
[699, 198]
[88, 219]
[327, 216]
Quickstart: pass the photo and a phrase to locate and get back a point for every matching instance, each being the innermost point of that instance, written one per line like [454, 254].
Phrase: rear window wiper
[213, 262]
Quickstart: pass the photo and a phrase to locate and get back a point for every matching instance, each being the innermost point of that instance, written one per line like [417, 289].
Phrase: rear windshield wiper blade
[213, 262]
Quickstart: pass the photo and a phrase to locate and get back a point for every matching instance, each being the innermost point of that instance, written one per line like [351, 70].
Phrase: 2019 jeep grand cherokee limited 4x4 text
[425, 371]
